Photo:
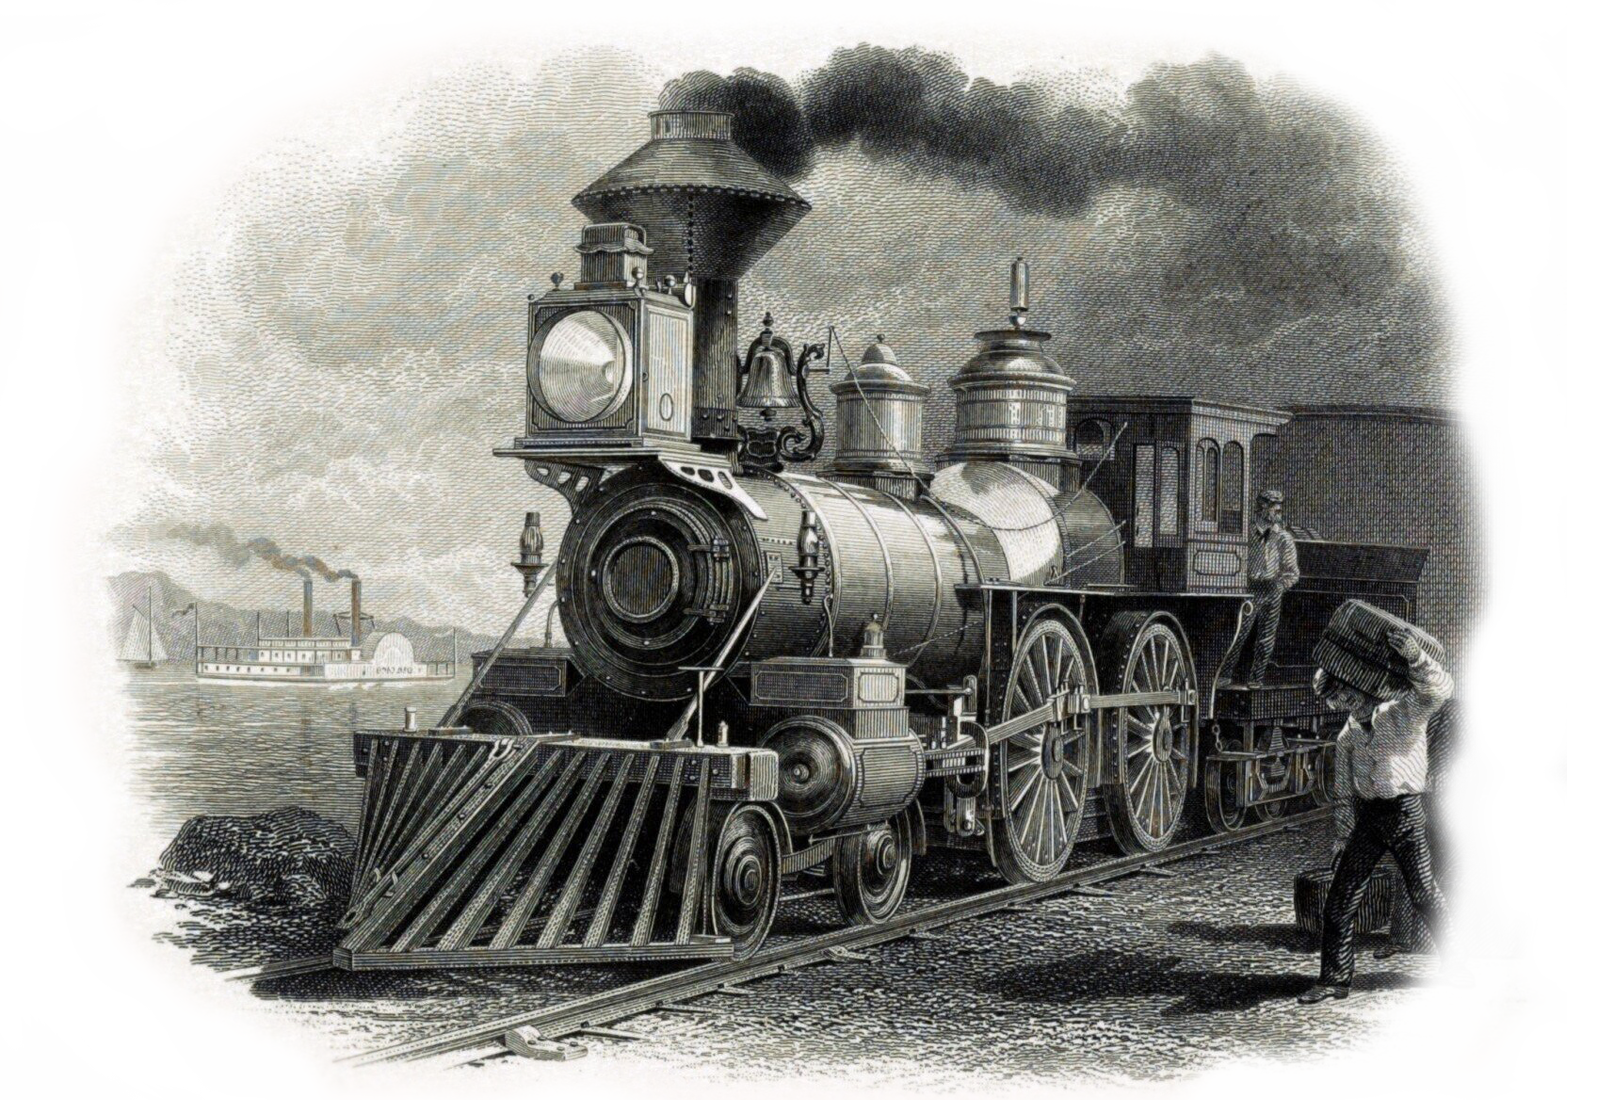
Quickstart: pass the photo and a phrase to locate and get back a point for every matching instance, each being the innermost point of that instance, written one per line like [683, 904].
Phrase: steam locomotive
[769, 672]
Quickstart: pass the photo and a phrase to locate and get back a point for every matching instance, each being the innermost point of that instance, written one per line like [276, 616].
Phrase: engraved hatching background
[341, 341]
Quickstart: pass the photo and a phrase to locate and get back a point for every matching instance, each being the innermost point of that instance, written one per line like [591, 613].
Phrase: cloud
[338, 358]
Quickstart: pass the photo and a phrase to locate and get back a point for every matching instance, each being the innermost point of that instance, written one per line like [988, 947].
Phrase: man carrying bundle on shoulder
[1387, 677]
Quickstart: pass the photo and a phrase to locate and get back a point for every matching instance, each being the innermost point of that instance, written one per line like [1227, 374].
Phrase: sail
[158, 652]
[137, 641]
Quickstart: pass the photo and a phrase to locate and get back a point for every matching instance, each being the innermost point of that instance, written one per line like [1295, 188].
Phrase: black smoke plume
[768, 121]
[1293, 209]
[223, 540]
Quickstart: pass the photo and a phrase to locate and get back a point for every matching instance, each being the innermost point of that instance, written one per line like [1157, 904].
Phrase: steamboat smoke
[222, 540]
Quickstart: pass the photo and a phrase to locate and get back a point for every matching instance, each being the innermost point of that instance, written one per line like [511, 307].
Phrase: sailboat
[142, 647]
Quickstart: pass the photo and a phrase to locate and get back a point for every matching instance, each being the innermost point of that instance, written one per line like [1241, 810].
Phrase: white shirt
[1392, 759]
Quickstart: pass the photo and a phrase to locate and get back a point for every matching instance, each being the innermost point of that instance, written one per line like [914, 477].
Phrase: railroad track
[595, 1014]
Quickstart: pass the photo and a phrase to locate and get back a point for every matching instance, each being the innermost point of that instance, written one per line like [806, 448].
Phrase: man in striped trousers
[1387, 743]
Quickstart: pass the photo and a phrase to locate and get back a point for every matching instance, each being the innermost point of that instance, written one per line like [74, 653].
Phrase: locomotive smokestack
[309, 607]
[710, 211]
[354, 611]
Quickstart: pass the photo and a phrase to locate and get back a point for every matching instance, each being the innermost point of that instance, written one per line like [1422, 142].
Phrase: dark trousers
[1397, 825]
[1263, 627]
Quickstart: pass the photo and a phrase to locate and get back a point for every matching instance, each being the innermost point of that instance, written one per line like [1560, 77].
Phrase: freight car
[771, 672]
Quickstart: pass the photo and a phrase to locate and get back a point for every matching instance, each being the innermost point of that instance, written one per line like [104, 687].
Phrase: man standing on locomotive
[1387, 752]
[1273, 568]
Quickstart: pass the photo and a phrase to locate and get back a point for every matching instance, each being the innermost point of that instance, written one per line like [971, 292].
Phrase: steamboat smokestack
[354, 611]
[309, 607]
[708, 211]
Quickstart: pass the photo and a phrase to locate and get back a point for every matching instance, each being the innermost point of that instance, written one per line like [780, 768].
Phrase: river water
[196, 747]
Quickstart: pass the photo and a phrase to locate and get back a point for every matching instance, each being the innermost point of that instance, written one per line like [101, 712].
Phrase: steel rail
[614, 1005]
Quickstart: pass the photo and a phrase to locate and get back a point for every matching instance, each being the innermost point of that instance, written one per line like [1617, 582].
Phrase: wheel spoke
[1023, 791]
[1042, 834]
[1070, 800]
[1071, 769]
[1160, 786]
[1149, 802]
[1025, 741]
[1032, 817]
[1057, 825]
[1034, 695]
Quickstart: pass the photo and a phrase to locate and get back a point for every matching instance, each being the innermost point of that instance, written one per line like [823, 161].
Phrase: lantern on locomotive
[609, 358]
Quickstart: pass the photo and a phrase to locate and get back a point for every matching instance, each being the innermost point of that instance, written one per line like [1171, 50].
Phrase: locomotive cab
[1181, 474]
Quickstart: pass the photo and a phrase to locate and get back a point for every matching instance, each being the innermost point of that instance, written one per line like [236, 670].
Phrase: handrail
[453, 715]
[706, 677]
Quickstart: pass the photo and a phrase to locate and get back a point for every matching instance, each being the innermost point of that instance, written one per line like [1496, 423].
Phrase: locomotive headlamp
[581, 371]
[609, 358]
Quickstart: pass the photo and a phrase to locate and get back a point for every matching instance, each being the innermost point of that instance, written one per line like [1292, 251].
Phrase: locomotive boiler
[770, 671]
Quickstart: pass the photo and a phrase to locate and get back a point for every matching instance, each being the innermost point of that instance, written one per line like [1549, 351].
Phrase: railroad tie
[609, 1033]
[530, 1042]
[843, 954]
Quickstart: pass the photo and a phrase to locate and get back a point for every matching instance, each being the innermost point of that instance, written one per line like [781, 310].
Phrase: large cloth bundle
[1355, 648]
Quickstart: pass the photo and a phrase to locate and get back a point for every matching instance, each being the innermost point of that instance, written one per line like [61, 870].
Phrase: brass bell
[770, 382]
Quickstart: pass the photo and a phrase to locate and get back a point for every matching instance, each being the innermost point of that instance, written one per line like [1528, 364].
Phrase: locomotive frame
[771, 673]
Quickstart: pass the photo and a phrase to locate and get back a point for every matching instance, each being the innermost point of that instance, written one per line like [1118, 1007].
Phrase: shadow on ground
[1126, 974]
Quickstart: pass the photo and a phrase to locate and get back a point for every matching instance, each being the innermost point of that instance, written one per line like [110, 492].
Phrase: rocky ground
[1168, 976]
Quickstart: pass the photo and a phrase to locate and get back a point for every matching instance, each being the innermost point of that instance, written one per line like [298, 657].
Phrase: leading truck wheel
[744, 885]
[1037, 777]
[871, 870]
[1152, 743]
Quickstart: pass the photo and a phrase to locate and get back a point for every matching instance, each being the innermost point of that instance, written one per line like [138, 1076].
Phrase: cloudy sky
[338, 341]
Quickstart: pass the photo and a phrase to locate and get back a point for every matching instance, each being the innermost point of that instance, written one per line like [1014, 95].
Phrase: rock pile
[286, 858]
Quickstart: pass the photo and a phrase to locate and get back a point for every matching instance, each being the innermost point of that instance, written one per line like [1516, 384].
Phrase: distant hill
[223, 624]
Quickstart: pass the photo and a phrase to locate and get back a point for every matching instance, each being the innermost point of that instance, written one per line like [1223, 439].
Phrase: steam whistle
[530, 553]
[809, 557]
[1020, 292]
